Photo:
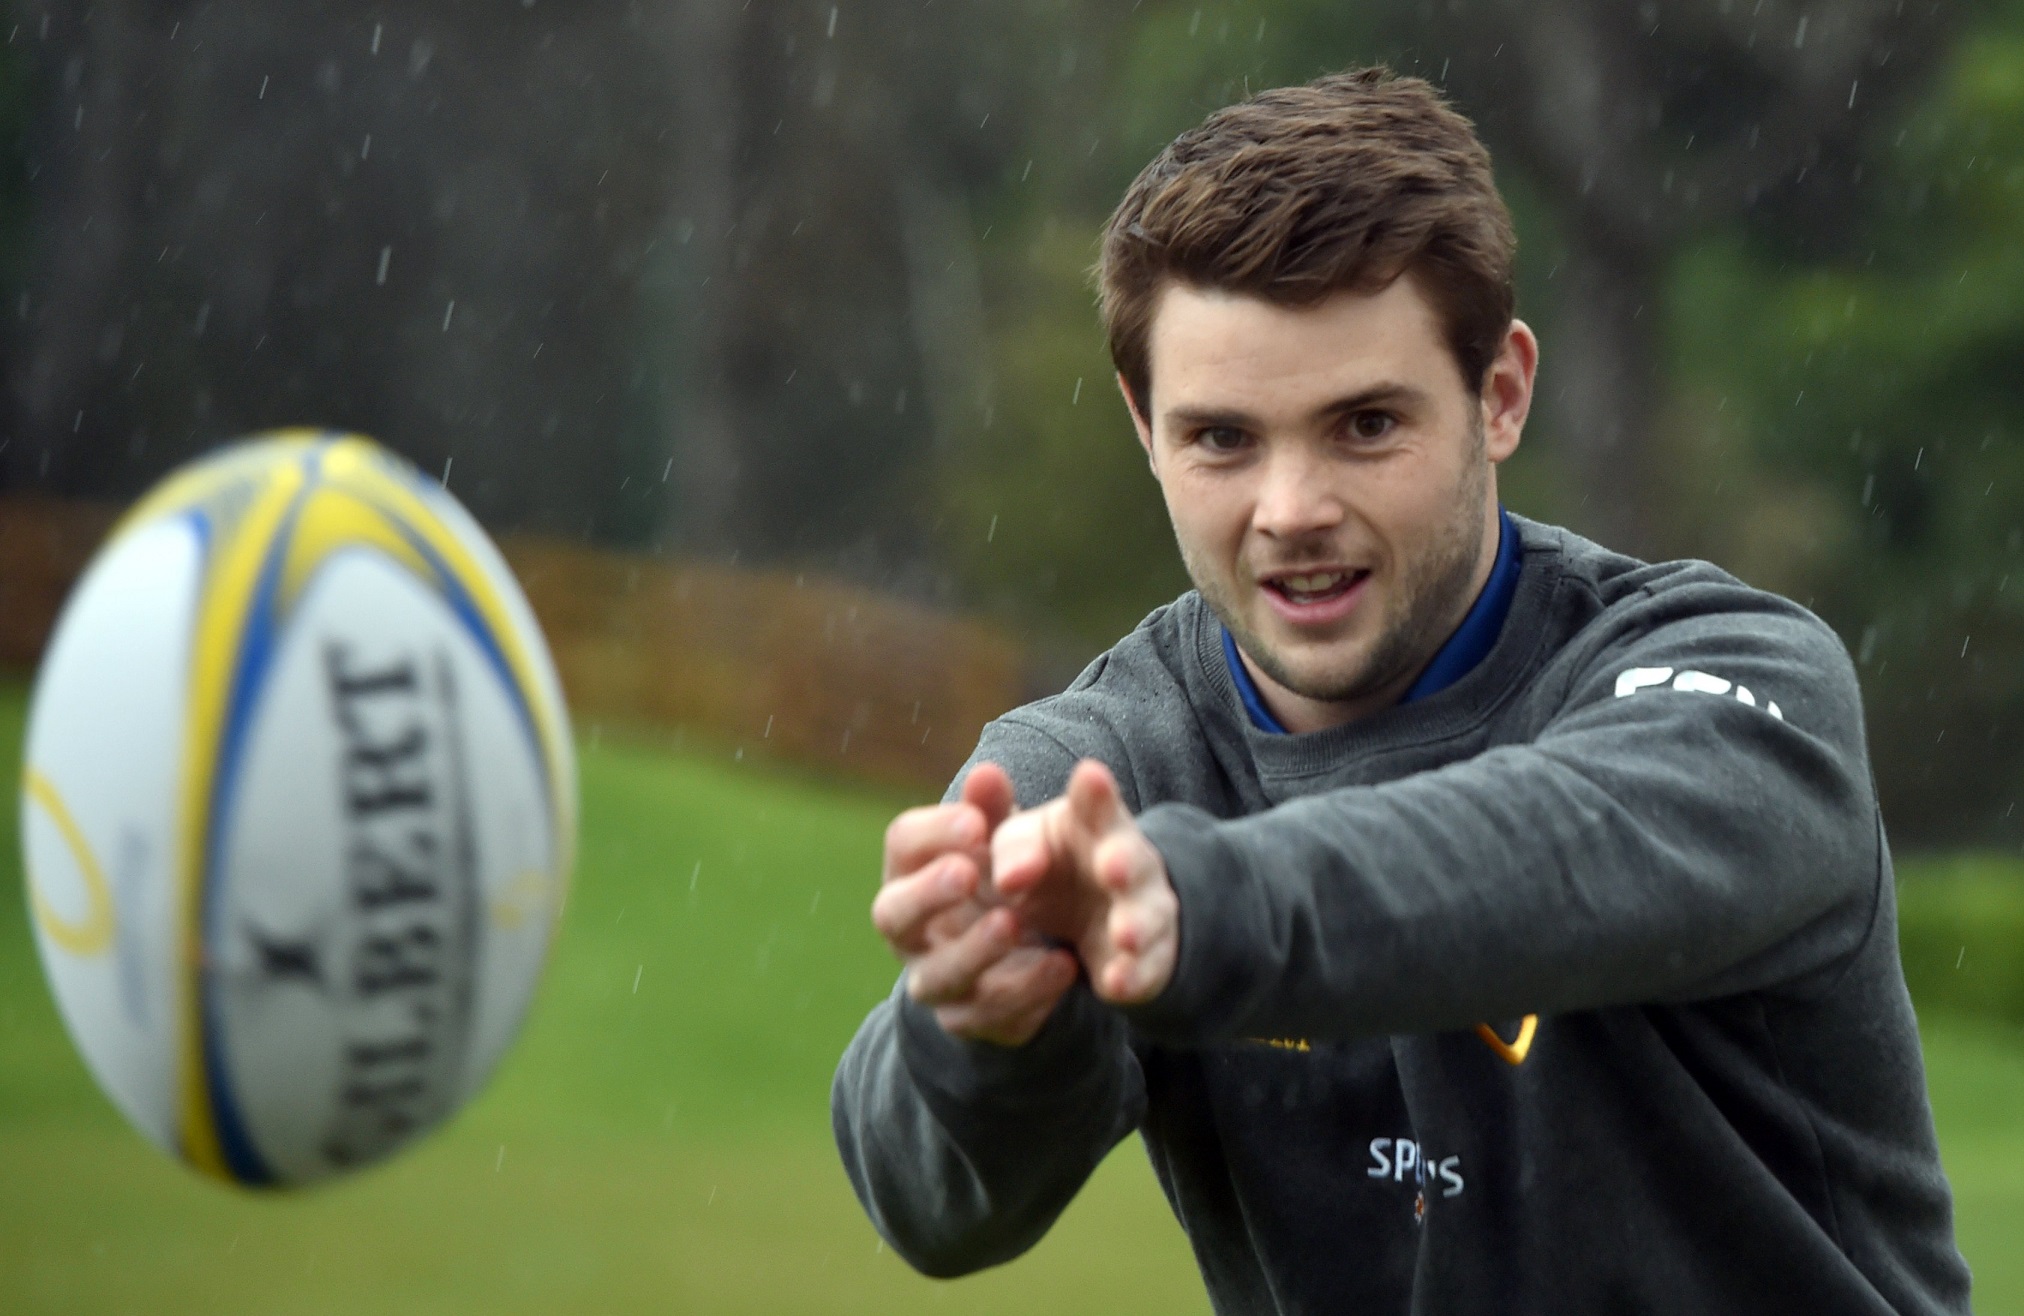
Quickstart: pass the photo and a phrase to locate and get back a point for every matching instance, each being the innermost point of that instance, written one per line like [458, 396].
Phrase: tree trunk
[1646, 123]
[945, 308]
[1600, 386]
[85, 159]
[703, 39]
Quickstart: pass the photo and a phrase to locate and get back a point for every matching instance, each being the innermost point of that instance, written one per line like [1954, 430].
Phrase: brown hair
[1300, 192]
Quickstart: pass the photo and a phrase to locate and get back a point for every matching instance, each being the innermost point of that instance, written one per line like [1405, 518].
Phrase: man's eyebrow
[1376, 395]
[1210, 418]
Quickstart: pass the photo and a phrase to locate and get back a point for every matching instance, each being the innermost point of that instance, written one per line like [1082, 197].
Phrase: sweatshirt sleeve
[964, 1153]
[1695, 819]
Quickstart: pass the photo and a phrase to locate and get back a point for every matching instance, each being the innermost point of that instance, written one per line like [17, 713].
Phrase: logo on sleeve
[1690, 682]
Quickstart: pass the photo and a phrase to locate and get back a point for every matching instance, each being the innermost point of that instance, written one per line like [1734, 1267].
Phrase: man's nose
[1295, 497]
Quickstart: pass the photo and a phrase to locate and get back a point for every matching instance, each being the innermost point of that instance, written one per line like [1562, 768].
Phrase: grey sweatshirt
[1645, 818]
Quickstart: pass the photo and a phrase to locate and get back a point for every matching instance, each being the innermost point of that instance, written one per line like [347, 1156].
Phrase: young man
[1468, 917]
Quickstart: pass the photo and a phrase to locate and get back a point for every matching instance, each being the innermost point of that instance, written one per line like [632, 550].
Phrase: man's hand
[1079, 868]
[967, 956]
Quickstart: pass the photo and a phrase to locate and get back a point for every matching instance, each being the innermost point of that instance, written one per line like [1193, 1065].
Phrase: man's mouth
[1306, 588]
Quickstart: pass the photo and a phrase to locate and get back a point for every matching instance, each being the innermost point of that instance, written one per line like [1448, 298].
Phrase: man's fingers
[949, 923]
[1123, 862]
[1121, 980]
[1131, 978]
[1012, 986]
[1029, 845]
[1016, 1029]
[920, 835]
[904, 907]
[1021, 849]
[1012, 997]
[1133, 928]
[1141, 941]
[948, 972]
[988, 789]
[1093, 796]
[1023, 975]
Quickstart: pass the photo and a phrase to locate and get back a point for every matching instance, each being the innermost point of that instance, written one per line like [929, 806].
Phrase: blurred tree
[15, 93]
[1816, 300]
[806, 281]
[830, 166]
[1847, 427]
[705, 273]
[1629, 128]
[1050, 516]
[1642, 125]
[425, 224]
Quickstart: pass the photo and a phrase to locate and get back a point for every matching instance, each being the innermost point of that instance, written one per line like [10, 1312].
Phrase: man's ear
[1138, 422]
[1507, 391]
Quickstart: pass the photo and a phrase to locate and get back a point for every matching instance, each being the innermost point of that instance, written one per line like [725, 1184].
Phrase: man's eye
[1369, 425]
[1221, 438]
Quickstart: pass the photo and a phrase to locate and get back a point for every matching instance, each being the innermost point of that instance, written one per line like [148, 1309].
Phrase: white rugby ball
[298, 809]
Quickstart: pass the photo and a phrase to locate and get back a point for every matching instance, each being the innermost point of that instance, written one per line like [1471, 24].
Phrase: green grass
[659, 1147]
[1975, 1069]
[666, 1148]
[1961, 925]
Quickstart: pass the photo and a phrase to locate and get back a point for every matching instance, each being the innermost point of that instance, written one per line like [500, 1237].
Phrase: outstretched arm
[975, 1101]
[1695, 820]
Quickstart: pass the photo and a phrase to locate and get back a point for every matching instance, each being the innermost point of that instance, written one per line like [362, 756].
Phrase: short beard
[1425, 615]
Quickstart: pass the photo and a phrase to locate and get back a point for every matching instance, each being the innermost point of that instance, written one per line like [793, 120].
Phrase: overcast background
[804, 284]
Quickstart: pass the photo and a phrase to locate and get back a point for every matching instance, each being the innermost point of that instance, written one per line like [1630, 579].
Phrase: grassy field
[658, 1140]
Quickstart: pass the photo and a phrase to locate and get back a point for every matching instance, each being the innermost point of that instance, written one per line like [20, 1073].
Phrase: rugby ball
[298, 809]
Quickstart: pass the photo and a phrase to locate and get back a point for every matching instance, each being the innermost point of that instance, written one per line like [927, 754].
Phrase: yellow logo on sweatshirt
[1514, 1051]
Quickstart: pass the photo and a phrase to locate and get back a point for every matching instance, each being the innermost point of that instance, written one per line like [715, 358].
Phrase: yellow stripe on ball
[357, 464]
[330, 519]
[232, 575]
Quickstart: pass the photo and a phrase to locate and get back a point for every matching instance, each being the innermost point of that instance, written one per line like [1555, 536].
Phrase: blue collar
[1469, 645]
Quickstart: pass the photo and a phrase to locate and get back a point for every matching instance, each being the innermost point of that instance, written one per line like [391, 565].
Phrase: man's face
[1330, 478]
